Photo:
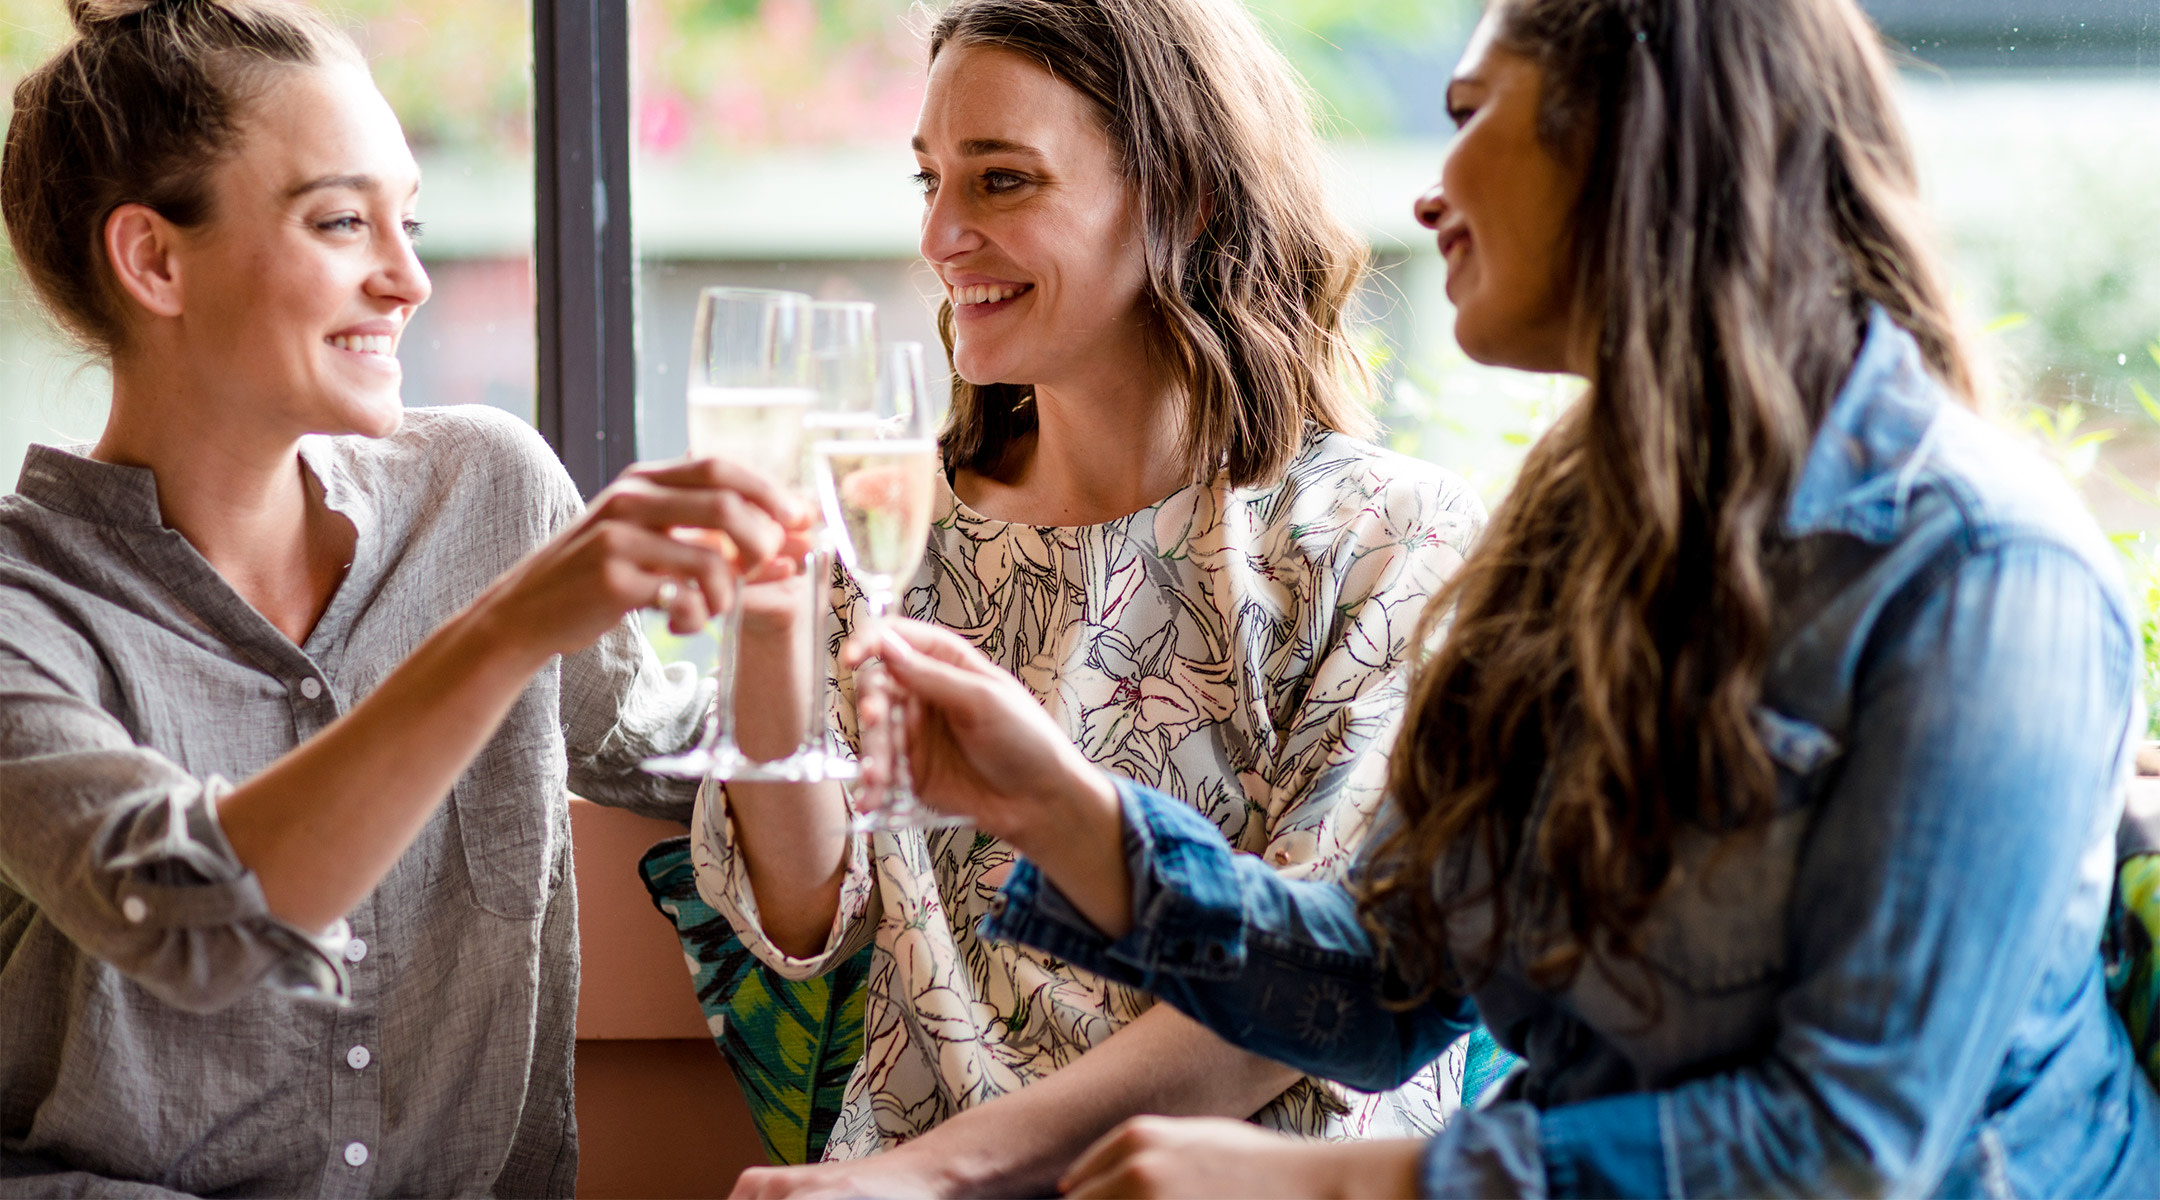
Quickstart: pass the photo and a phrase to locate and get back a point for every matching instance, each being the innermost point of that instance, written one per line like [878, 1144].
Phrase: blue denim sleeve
[1279, 967]
[1967, 829]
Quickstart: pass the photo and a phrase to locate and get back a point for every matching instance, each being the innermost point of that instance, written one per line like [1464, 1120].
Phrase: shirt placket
[354, 1122]
[353, 1125]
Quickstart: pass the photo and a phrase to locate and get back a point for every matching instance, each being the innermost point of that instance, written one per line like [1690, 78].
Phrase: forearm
[321, 826]
[1161, 1064]
[1223, 938]
[793, 838]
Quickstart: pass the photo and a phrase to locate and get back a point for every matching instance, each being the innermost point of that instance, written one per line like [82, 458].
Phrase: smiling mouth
[976, 294]
[1453, 239]
[372, 343]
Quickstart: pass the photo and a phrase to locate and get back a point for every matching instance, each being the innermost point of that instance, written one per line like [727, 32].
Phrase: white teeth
[374, 343]
[984, 293]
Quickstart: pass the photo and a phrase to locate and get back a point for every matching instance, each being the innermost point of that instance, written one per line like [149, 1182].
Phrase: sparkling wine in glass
[877, 488]
[843, 397]
[750, 384]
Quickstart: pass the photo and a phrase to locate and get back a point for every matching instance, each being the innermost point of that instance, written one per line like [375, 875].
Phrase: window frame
[584, 260]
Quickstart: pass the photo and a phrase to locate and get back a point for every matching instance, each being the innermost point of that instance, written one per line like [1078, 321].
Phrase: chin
[976, 367]
[371, 416]
[1498, 347]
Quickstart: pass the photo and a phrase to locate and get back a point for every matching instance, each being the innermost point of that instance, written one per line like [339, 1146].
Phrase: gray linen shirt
[157, 1025]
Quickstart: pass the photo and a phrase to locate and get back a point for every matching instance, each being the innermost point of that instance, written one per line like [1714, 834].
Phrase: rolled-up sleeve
[723, 881]
[621, 707]
[122, 851]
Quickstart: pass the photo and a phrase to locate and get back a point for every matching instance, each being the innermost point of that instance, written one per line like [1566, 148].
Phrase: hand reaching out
[981, 746]
[661, 531]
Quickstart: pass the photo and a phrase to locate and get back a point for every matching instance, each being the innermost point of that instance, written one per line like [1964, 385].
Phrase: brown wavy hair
[135, 109]
[1749, 194]
[1216, 135]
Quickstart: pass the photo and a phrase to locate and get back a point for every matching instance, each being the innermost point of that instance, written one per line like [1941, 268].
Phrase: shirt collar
[1859, 471]
[67, 480]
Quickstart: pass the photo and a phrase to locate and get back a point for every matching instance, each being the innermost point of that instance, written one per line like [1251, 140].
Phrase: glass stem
[721, 742]
[899, 797]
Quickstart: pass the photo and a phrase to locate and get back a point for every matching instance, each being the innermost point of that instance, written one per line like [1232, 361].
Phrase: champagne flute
[749, 386]
[877, 487]
[843, 373]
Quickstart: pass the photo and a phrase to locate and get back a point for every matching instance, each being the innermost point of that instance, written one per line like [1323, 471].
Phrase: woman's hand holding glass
[980, 747]
[630, 551]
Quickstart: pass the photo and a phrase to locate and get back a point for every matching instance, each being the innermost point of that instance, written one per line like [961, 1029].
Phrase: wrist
[1080, 812]
[947, 1165]
[1080, 847]
[1387, 1167]
[485, 638]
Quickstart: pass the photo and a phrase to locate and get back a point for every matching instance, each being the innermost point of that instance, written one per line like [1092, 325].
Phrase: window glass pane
[458, 73]
[771, 152]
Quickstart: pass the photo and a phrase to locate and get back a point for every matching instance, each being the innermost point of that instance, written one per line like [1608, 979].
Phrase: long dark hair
[1216, 136]
[1749, 194]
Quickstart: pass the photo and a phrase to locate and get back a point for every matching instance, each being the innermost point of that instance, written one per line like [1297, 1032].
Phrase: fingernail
[892, 644]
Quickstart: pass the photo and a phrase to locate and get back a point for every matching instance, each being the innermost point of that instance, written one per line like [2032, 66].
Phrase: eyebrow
[977, 147]
[357, 183]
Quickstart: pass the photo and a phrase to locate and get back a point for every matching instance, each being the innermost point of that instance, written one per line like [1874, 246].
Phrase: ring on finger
[664, 595]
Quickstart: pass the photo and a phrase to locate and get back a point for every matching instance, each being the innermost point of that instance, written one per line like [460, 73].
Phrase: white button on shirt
[355, 1154]
[357, 1058]
[355, 950]
[311, 687]
[134, 910]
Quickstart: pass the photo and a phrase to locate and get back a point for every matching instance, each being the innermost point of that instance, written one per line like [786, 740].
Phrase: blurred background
[771, 149]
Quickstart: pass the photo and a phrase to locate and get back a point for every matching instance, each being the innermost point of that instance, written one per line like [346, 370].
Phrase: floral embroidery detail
[1238, 649]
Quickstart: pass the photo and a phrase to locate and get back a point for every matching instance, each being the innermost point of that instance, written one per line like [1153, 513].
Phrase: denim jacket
[1894, 987]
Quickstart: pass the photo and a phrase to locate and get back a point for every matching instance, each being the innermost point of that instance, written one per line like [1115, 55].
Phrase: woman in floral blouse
[1161, 517]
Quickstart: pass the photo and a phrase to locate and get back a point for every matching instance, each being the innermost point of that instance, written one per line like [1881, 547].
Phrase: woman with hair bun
[1763, 793]
[1162, 513]
[254, 637]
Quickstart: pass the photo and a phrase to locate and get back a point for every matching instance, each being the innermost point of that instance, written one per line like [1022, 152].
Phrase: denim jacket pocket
[1721, 926]
[1715, 945]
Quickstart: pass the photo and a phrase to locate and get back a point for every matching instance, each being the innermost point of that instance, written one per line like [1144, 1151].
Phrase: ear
[140, 245]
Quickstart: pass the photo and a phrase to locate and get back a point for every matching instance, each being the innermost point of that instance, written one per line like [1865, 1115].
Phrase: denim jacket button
[1216, 953]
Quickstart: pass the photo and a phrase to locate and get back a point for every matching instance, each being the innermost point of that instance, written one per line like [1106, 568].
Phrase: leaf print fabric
[1239, 649]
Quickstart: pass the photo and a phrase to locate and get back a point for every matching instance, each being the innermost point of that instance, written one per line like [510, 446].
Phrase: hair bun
[88, 14]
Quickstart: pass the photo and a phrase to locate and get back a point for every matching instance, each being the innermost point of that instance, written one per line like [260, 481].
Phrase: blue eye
[345, 224]
[413, 229]
[1000, 181]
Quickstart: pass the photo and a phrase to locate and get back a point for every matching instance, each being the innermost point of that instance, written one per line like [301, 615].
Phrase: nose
[948, 228]
[1431, 208]
[400, 277]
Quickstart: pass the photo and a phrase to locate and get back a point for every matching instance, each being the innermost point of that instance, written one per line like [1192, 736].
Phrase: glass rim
[729, 292]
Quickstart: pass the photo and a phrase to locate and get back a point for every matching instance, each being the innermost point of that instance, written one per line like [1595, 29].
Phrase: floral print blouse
[1238, 649]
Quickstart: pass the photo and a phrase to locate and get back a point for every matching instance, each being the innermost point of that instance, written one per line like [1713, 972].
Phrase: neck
[236, 491]
[1105, 445]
